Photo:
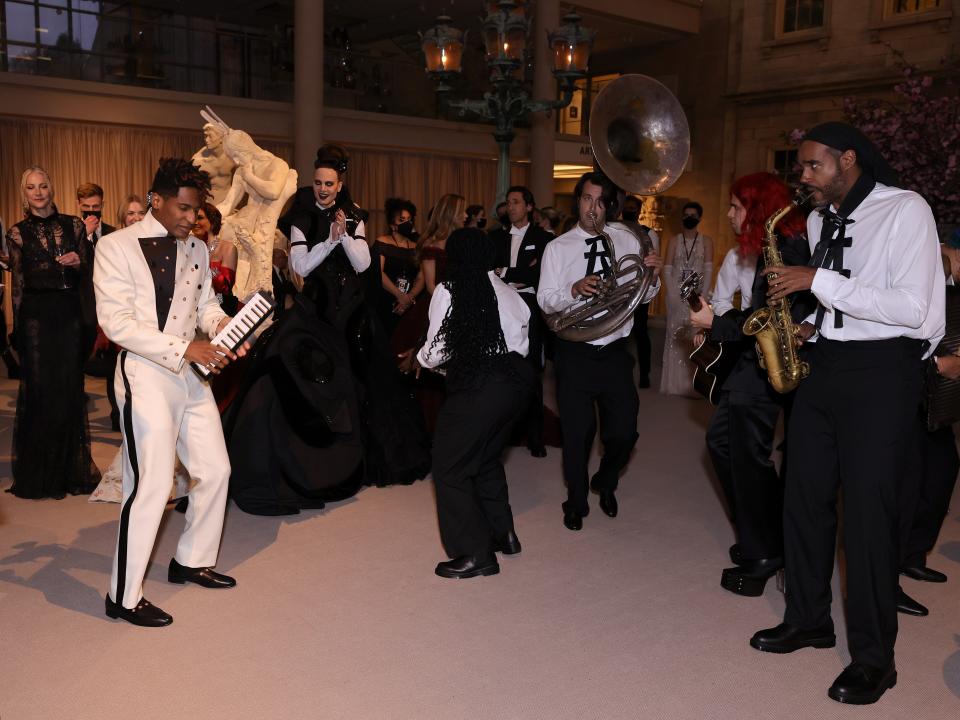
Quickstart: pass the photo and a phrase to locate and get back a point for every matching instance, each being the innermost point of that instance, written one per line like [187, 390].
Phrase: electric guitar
[713, 362]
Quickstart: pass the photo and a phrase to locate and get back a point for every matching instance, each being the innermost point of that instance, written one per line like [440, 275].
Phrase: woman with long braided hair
[478, 332]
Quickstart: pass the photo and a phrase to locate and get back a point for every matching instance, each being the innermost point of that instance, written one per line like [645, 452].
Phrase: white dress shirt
[896, 285]
[516, 240]
[736, 273]
[514, 321]
[304, 261]
[564, 263]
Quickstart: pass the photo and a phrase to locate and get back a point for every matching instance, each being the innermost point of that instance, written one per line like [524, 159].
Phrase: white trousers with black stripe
[163, 415]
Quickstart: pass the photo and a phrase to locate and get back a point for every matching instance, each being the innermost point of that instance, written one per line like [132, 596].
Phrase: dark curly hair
[214, 216]
[471, 331]
[176, 173]
[394, 206]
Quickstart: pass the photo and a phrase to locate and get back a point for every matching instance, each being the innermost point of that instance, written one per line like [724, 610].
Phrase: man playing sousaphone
[597, 371]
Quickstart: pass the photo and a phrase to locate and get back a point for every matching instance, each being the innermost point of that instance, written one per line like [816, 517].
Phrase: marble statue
[266, 182]
[214, 161]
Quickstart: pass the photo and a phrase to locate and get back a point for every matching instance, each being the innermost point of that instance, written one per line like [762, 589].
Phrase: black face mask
[630, 215]
[406, 229]
[690, 222]
[94, 213]
[482, 223]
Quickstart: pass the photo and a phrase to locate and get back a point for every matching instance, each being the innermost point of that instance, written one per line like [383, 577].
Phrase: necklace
[687, 266]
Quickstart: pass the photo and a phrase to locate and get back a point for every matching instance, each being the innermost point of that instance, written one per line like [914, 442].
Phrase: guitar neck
[694, 301]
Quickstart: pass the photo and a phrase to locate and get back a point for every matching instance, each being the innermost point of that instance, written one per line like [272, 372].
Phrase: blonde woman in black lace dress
[50, 268]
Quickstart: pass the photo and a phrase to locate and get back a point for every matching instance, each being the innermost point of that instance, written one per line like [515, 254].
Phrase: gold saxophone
[773, 328]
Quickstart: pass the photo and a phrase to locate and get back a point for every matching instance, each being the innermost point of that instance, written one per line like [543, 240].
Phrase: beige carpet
[338, 613]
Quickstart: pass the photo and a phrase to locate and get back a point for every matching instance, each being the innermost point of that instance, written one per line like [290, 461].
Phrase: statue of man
[214, 161]
[267, 182]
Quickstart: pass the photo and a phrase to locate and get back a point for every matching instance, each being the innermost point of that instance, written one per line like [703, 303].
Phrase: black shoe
[908, 606]
[468, 566]
[571, 518]
[204, 577]
[608, 503]
[182, 505]
[750, 577]
[785, 638]
[145, 614]
[508, 545]
[538, 451]
[736, 557]
[644, 382]
[861, 684]
[923, 574]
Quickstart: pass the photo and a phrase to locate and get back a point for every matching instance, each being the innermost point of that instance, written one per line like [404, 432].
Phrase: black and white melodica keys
[241, 327]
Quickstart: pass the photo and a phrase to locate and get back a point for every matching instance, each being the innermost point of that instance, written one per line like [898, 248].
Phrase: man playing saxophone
[877, 275]
[741, 433]
[598, 372]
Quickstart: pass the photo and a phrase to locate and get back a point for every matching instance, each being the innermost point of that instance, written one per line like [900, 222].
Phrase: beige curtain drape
[377, 174]
[122, 160]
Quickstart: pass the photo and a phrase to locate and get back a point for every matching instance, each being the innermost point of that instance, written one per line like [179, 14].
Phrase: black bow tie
[829, 254]
[597, 253]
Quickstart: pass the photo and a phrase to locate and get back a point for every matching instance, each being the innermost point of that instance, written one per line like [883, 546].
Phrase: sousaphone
[641, 140]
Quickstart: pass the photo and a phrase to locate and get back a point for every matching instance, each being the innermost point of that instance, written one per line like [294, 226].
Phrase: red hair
[762, 194]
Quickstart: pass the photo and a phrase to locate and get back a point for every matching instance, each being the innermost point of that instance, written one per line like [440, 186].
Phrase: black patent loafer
[145, 614]
[923, 574]
[908, 606]
[204, 577]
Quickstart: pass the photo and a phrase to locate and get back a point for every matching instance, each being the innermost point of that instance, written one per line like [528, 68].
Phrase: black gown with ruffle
[322, 410]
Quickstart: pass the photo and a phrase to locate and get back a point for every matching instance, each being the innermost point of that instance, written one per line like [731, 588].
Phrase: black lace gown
[51, 439]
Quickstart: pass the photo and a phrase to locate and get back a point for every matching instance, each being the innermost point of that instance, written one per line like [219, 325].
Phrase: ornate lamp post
[505, 32]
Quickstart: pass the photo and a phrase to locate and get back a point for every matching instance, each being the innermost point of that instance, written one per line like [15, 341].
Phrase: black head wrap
[843, 137]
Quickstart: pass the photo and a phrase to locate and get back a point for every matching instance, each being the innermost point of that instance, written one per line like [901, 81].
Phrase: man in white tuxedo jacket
[153, 289]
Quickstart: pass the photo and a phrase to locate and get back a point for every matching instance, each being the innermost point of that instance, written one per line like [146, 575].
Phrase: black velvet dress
[54, 326]
[400, 265]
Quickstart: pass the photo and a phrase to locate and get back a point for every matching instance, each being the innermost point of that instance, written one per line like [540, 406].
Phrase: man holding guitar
[741, 433]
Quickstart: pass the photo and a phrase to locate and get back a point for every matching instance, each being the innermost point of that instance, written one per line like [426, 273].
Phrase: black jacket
[531, 249]
[747, 375]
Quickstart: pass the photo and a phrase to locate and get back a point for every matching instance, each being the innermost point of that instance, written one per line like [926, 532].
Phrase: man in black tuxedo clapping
[519, 249]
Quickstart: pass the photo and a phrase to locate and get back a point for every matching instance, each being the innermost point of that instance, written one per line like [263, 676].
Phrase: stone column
[542, 134]
[307, 86]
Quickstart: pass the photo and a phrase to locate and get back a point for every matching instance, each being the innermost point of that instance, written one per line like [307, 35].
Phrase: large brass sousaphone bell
[641, 140]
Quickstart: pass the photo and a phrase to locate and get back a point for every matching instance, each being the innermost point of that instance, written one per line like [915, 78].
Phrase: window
[797, 15]
[906, 7]
[786, 167]
[137, 43]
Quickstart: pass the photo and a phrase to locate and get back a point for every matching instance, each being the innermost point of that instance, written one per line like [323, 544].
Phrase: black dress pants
[740, 442]
[537, 329]
[473, 426]
[593, 378]
[928, 486]
[852, 426]
[641, 334]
